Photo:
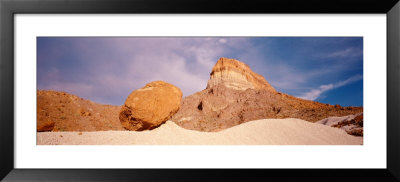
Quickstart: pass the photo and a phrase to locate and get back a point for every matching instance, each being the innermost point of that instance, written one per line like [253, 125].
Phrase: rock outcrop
[150, 106]
[237, 75]
[235, 94]
[352, 124]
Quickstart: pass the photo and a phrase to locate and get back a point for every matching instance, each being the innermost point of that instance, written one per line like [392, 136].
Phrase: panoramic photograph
[199, 91]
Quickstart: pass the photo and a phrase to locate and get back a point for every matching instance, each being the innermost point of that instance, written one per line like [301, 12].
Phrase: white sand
[260, 132]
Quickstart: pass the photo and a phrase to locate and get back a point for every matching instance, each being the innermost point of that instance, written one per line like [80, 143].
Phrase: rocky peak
[228, 101]
[236, 75]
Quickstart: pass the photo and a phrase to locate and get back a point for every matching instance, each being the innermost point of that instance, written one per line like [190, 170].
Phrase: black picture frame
[9, 8]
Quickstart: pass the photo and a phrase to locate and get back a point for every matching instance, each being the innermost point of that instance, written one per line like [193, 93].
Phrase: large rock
[150, 106]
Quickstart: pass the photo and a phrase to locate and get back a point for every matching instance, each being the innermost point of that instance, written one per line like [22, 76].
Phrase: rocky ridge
[61, 111]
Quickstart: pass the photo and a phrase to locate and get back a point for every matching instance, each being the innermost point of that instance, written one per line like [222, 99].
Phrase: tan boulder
[150, 106]
[45, 126]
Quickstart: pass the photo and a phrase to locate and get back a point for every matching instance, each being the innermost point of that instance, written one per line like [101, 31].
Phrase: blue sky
[107, 69]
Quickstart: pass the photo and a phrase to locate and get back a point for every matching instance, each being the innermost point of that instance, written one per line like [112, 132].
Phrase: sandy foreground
[259, 132]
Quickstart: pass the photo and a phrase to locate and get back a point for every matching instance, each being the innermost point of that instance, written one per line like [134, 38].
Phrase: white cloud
[222, 41]
[316, 93]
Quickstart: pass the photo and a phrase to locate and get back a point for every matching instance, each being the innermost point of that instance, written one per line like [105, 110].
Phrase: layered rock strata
[237, 75]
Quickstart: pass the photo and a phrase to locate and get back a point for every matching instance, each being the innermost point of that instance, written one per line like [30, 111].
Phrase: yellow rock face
[150, 106]
[237, 75]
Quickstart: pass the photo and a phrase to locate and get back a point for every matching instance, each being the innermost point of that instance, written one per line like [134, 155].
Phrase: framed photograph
[128, 90]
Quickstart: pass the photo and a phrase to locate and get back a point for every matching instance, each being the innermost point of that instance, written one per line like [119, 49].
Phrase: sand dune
[259, 132]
